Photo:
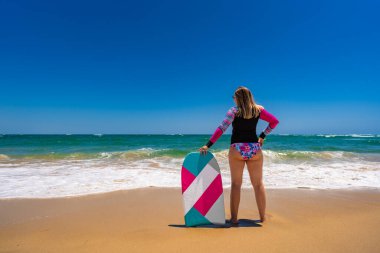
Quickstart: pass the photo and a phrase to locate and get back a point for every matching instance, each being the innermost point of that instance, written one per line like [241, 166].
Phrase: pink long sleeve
[273, 121]
[230, 115]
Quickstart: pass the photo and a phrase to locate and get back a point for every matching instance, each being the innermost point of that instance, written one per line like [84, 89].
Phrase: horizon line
[340, 134]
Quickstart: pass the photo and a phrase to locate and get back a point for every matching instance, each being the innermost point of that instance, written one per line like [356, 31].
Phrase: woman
[245, 147]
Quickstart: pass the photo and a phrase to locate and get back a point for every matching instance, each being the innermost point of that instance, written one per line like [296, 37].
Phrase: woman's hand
[261, 141]
[203, 150]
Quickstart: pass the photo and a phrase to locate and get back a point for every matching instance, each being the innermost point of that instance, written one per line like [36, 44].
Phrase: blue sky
[172, 66]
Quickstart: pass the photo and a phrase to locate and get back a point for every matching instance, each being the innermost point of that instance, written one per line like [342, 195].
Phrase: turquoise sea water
[65, 165]
[66, 146]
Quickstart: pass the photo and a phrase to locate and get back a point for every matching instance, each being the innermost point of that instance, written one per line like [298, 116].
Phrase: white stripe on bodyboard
[198, 187]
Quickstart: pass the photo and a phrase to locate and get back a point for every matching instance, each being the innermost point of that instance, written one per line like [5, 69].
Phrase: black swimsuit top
[244, 130]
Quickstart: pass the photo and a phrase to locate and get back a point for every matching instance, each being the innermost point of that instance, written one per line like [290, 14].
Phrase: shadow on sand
[242, 223]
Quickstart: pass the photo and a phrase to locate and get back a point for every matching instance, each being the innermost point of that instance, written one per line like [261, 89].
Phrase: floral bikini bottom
[247, 149]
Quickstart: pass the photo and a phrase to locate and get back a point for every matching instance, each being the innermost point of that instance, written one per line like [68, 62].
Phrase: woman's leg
[236, 167]
[255, 169]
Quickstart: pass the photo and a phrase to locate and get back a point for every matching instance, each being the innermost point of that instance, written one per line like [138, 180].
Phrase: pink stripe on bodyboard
[187, 178]
[208, 198]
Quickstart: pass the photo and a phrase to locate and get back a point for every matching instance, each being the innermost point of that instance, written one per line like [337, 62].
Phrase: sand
[151, 220]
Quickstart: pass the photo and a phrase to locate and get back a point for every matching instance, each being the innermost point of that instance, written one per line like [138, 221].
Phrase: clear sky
[172, 66]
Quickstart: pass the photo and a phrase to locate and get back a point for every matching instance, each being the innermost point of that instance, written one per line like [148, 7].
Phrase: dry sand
[151, 220]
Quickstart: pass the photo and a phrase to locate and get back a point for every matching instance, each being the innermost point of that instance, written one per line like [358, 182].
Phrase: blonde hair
[247, 108]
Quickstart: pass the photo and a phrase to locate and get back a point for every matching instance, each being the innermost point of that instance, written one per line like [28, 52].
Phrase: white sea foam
[363, 135]
[348, 135]
[327, 135]
[70, 177]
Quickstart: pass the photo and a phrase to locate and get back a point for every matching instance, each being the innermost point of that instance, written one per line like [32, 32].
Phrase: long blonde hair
[247, 108]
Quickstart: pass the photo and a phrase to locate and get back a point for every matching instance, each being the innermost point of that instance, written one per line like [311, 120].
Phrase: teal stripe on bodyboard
[195, 162]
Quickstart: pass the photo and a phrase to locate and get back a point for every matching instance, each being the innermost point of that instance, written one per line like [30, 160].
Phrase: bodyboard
[202, 190]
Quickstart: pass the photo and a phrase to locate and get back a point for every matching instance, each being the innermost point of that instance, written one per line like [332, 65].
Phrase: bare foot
[233, 221]
[262, 219]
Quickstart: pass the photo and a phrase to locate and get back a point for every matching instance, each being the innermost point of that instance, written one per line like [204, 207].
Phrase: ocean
[44, 166]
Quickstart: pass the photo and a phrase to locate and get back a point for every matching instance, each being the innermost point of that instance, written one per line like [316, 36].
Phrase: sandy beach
[151, 220]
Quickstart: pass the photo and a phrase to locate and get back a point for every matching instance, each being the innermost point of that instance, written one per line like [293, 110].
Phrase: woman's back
[244, 130]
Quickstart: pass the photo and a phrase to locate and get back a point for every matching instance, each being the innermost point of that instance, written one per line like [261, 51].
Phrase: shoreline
[151, 219]
[353, 188]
